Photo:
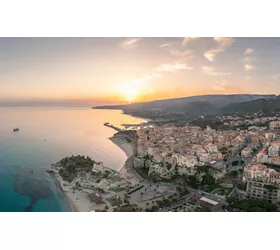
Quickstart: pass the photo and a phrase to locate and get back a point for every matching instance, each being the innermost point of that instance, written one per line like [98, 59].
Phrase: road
[208, 195]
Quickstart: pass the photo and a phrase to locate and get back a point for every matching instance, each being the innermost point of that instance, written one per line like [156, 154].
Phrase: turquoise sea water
[47, 135]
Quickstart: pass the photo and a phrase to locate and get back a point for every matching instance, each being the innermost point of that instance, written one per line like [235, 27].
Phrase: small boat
[16, 129]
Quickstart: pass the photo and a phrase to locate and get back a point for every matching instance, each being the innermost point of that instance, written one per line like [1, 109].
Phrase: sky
[127, 70]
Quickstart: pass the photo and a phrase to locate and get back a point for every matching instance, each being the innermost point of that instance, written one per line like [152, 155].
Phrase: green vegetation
[233, 174]
[276, 167]
[249, 205]
[127, 208]
[234, 163]
[72, 166]
[208, 181]
[100, 190]
[242, 186]
[211, 121]
[192, 181]
[203, 169]
[169, 166]
[163, 202]
[115, 201]
[224, 150]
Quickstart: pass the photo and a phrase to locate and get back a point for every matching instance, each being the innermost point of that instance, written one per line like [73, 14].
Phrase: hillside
[266, 106]
[192, 106]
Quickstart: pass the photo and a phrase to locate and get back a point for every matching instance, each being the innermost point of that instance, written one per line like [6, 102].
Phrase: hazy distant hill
[195, 105]
[265, 105]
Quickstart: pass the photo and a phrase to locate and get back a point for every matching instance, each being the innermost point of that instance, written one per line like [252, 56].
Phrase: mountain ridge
[202, 104]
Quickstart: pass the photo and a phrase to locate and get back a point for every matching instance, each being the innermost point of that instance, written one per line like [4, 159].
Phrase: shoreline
[71, 206]
[126, 171]
[77, 202]
[126, 147]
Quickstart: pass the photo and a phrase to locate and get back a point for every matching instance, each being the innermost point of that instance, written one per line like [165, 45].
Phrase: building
[96, 198]
[274, 124]
[270, 135]
[275, 160]
[208, 203]
[273, 150]
[98, 167]
[211, 148]
[247, 152]
[262, 183]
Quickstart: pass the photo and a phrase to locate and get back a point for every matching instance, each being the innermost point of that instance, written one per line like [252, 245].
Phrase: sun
[129, 93]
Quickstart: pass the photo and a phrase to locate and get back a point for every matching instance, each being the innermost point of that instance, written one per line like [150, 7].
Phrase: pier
[107, 124]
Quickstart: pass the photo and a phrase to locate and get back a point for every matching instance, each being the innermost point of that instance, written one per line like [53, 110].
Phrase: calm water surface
[47, 135]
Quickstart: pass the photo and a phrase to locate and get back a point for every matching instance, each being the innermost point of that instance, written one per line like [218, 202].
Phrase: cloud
[221, 85]
[172, 67]
[183, 53]
[177, 51]
[248, 59]
[222, 44]
[249, 67]
[224, 86]
[211, 54]
[187, 40]
[130, 43]
[142, 80]
[249, 51]
[167, 44]
[213, 72]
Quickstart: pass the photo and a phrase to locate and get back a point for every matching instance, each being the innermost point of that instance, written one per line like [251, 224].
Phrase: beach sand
[78, 201]
[81, 202]
[125, 146]
[125, 172]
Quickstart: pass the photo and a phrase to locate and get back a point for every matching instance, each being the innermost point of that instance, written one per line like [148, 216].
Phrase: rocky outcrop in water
[32, 186]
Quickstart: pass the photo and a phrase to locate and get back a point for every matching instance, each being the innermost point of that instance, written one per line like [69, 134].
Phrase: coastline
[76, 201]
[126, 170]
[70, 204]
[126, 147]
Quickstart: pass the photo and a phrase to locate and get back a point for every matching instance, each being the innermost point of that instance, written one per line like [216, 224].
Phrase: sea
[46, 135]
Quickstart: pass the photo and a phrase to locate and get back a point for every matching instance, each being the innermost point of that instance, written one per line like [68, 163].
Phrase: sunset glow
[129, 93]
[114, 70]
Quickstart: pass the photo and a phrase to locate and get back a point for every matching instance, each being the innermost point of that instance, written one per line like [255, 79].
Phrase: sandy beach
[78, 200]
[125, 146]
[125, 172]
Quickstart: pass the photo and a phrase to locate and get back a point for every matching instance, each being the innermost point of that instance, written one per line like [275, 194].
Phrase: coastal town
[182, 168]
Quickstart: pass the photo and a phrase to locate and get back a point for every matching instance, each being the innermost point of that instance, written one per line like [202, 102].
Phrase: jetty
[107, 124]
